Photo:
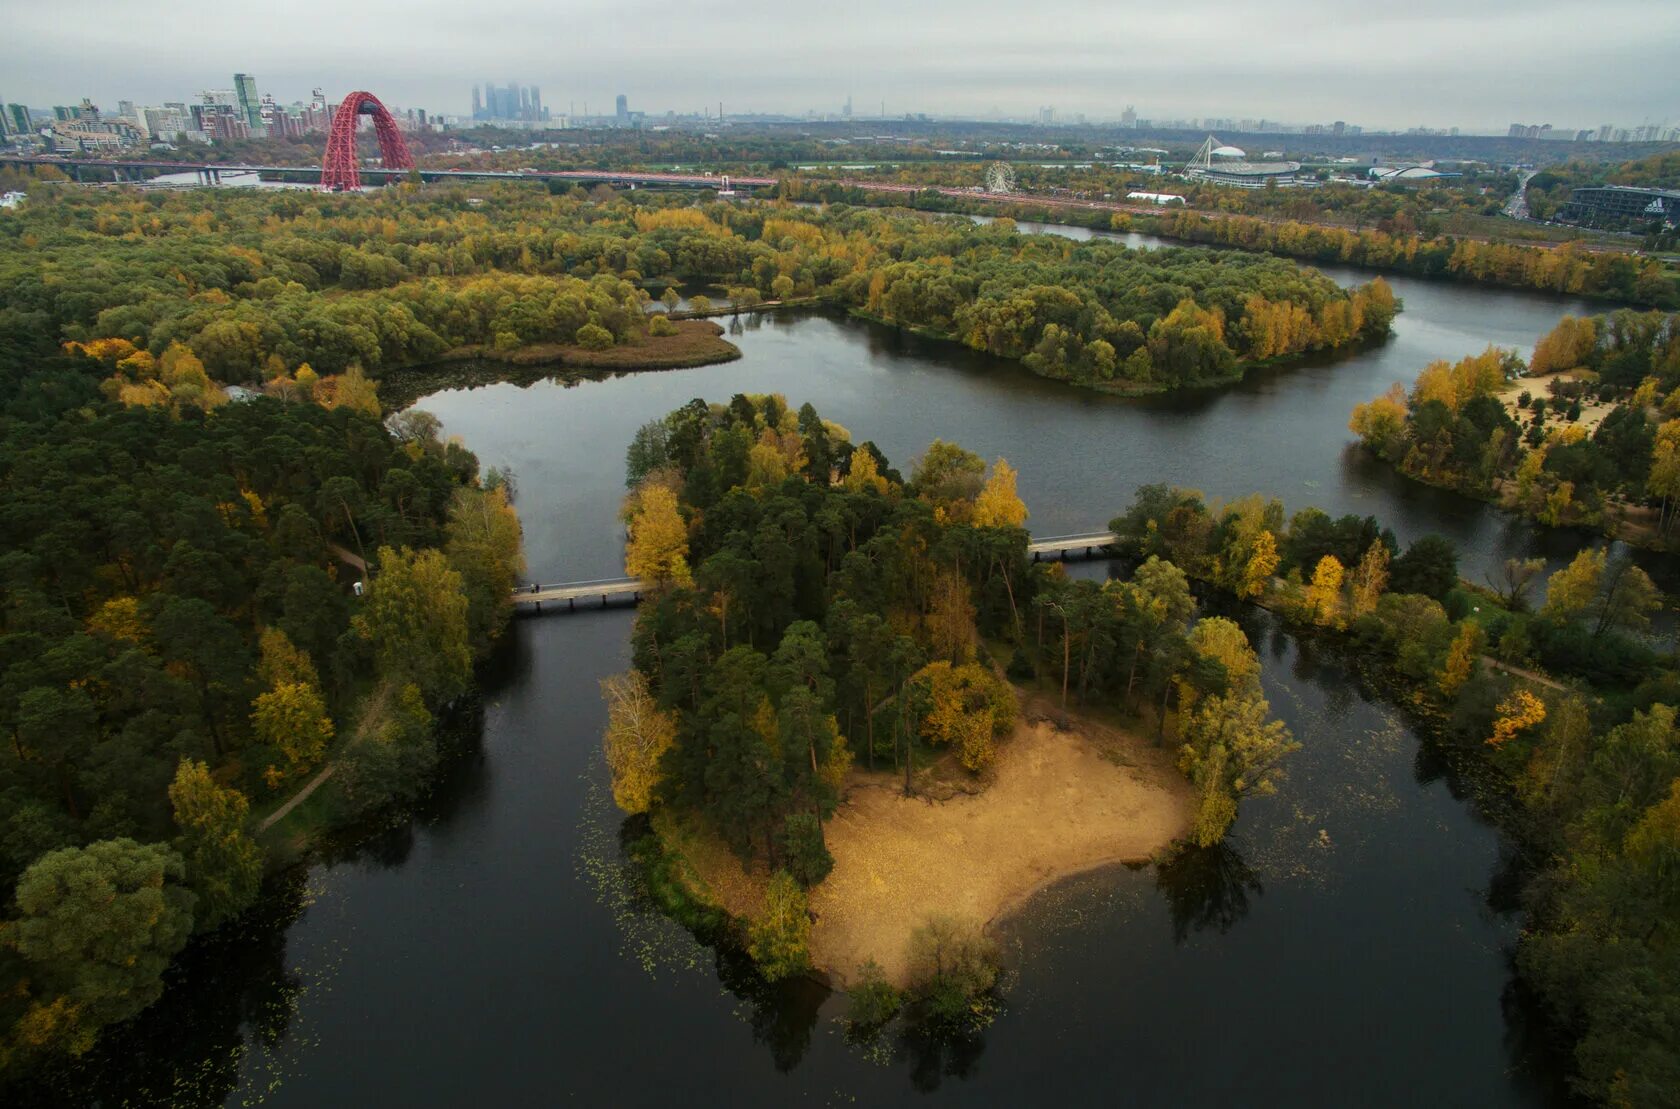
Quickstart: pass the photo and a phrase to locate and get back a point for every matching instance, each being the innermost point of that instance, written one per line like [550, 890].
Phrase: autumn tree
[658, 547]
[485, 546]
[1324, 595]
[1381, 423]
[1462, 655]
[293, 720]
[1369, 580]
[415, 616]
[638, 734]
[998, 505]
[223, 863]
[965, 707]
[950, 620]
[1518, 712]
[1262, 564]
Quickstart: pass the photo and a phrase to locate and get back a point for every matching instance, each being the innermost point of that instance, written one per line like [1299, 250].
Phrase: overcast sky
[1477, 64]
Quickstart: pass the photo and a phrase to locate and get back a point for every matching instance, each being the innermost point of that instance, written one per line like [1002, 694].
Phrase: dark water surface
[1349, 946]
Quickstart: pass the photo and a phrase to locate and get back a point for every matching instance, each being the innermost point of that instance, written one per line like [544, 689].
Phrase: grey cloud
[1442, 62]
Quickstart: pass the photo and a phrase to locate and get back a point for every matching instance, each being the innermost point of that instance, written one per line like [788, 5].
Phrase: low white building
[1162, 199]
[12, 200]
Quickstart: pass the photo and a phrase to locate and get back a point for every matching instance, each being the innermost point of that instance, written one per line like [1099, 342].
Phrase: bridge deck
[625, 177]
[1092, 543]
[582, 591]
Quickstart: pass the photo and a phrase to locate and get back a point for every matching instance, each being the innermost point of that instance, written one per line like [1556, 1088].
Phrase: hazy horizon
[1433, 64]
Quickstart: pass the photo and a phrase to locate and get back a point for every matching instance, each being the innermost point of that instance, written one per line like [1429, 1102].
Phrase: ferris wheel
[1000, 178]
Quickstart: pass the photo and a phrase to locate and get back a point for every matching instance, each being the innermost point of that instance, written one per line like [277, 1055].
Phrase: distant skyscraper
[623, 110]
[250, 104]
[848, 112]
[536, 103]
[1128, 118]
[478, 104]
[19, 115]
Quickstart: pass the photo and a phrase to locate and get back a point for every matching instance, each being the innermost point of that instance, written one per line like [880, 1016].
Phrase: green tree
[98, 925]
[779, 939]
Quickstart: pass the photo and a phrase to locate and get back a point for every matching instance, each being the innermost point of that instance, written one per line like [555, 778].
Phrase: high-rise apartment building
[250, 104]
[18, 116]
[623, 112]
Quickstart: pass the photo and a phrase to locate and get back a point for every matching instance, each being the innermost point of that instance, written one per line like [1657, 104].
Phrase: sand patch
[1061, 803]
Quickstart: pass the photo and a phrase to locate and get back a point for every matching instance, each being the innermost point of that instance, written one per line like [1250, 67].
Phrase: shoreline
[1061, 804]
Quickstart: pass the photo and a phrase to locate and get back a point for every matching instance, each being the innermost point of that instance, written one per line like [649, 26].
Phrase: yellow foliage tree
[998, 505]
[658, 548]
[1370, 578]
[1572, 590]
[1566, 346]
[1520, 710]
[1461, 658]
[120, 618]
[864, 475]
[293, 719]
[1262, 565]
[1324, 595]
[638, 733]
[1381, 423]
[281, 662]
[966, 707]
[354, 390]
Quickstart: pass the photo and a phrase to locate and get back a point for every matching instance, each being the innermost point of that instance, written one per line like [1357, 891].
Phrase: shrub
[592, 336]
[873, 1001]
[954, 968]
[661, 326]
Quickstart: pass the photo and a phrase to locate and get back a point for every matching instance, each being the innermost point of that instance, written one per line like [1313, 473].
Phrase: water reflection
[935, 1058]
[1207, 888]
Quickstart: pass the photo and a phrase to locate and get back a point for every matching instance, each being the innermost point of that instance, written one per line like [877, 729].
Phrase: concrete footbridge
[564, 596]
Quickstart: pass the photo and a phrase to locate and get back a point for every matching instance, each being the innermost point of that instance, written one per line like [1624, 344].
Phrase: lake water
[1350, 946]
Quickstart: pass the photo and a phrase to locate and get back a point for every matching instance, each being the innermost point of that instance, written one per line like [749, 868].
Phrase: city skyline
[1206, 59]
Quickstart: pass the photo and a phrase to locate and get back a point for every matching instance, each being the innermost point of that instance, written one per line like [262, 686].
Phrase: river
[1351, 944]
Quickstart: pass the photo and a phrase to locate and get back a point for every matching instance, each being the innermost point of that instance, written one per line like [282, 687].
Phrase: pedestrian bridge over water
[564, 596]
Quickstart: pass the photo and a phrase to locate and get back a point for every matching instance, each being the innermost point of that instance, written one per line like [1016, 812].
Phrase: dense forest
[1398, 243]
[207, 602]
[256, 288]
[818, 611]
[1586, 433]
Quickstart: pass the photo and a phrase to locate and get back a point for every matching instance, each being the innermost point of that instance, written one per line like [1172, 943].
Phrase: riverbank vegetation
[1395, 245]
[1570, 703]
[1586, 433]
[258, 288]
[208, 605]
[822, 623]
